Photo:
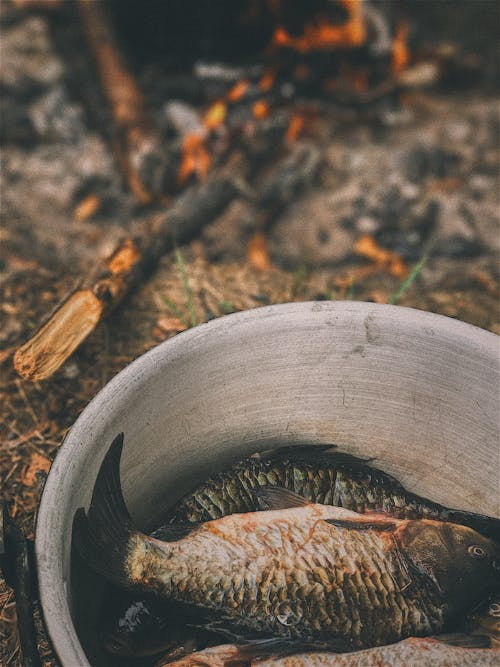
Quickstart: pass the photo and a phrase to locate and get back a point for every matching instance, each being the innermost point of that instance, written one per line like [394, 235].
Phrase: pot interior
[416, 392]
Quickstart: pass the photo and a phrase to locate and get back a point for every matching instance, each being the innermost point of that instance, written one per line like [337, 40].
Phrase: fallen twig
[135, 257]
[141, 152]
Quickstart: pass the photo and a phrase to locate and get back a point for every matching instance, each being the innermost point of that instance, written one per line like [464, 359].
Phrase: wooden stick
[138, 142]
[135, 257]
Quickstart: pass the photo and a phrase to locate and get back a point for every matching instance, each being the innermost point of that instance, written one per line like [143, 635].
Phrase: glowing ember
[87, 208]
[267, 80]
[257, 253]
[260, 109]
[295, 127]
[391, 261]
[237, 92]
[322, 35]
[400, 52]
[195, 159]
[301, 72]
[215, 116]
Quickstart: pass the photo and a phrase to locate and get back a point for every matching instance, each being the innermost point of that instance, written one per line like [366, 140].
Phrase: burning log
[139, 146]
[136, 256]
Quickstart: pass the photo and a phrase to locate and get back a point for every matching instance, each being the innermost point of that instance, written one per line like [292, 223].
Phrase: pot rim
[51, 585]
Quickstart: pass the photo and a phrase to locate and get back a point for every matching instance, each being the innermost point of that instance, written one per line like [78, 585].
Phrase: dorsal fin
[278, 498]
[292, 451]
[171, 532]
[464, 640]
[383, 524]
[327, 453]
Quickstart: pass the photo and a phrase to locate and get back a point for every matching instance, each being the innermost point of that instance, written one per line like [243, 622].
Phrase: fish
[299, 570]
[140, 626]
[481, 627]
[414, 652]
[320, 473]
[323, 475]
[143, 626]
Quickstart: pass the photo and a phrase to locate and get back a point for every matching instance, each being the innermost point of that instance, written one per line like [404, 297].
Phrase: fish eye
[494, 610]
[476, 552]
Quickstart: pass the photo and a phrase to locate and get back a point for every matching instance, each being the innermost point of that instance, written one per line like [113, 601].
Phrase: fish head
[463, 565]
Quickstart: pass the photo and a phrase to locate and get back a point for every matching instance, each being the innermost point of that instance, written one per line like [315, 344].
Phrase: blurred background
[166, 163]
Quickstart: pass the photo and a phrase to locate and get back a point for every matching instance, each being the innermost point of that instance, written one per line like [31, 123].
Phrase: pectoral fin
[174, 531]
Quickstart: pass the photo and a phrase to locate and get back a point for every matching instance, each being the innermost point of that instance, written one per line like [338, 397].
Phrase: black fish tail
[102, 536]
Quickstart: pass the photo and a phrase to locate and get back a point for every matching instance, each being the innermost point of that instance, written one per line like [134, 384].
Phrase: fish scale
[308, 572]
[270, 554]
[233, 491]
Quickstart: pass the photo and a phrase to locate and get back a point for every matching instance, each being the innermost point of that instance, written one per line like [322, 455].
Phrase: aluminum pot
[415, 390]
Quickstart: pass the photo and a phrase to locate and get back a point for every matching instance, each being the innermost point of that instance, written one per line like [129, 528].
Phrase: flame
[267, 80]
[87, 208]
[215, 115]
[321, 35]
[400, 52]
[195, 159]
[237, 91]
[295, 127]
[260, 109]
[257, 252]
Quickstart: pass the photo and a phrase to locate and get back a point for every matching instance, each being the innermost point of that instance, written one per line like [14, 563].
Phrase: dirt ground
[418, 179]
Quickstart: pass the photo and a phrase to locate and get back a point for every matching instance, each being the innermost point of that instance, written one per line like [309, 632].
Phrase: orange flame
[400, 52]
[257, 252]
[215, 115]
[295, 127]
[323, 35]
[237, 91]
[267, 80]
[260, 109]
[195, 159]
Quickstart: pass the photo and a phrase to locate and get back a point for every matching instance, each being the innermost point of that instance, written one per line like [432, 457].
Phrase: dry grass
[185, 290]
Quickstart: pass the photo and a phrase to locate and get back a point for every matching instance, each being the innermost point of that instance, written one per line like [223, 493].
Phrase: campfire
[210, 157]
[258, 128]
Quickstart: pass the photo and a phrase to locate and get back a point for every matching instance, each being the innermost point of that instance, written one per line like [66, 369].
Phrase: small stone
[480, 183]
[458, 131]
[71, 370]
[367, 225]
[409, 190]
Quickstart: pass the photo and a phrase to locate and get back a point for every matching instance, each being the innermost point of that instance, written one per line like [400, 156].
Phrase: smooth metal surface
[417, 391]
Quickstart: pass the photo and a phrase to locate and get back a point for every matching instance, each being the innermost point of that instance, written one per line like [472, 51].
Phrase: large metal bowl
[417, 391]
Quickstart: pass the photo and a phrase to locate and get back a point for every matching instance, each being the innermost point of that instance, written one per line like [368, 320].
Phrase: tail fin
[102, 536]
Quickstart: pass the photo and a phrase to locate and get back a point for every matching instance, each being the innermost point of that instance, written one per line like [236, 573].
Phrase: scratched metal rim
[269, 376]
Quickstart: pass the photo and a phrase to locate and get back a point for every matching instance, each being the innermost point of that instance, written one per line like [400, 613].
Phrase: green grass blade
[394, 298]
[187, 290]
[174, 310]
